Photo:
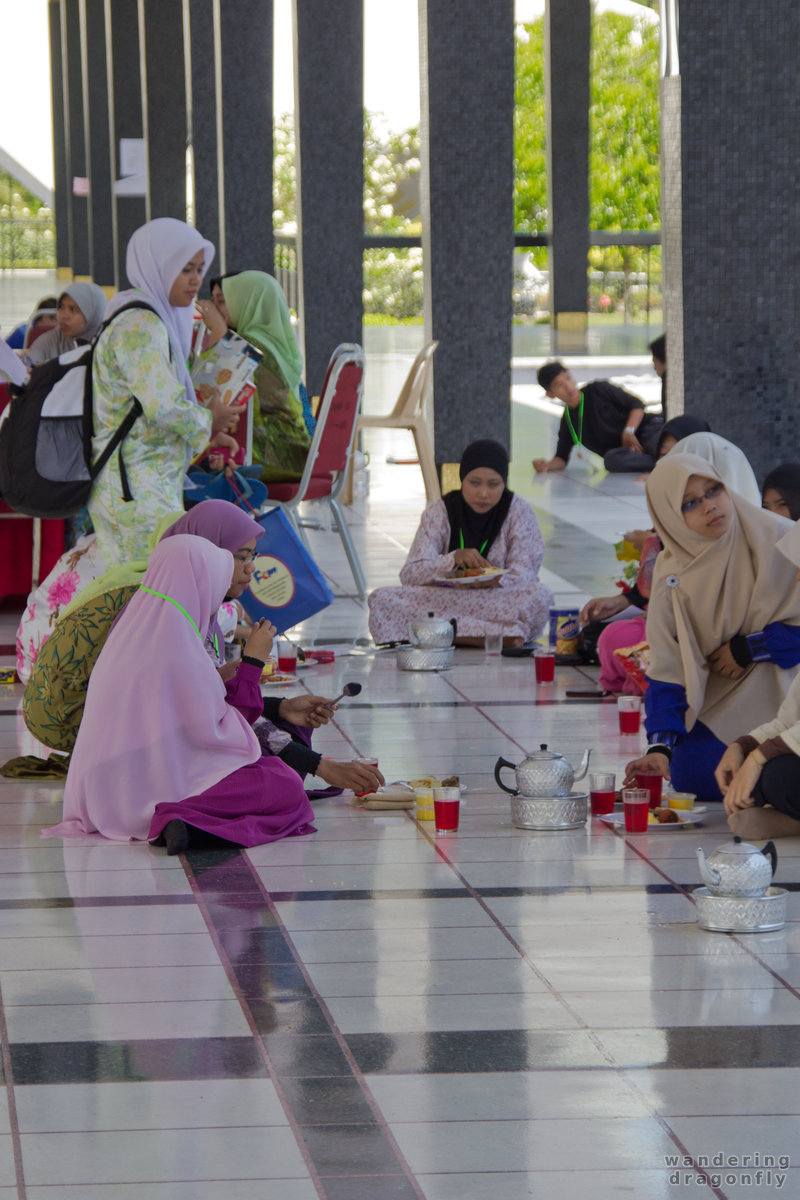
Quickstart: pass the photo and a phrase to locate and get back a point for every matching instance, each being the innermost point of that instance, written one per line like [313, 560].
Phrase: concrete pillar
[732, 225]
[330, 177]
[77, 166]
[61, 209]
[96, 118]
[246, 45]
[567, 47]
[204, 20]
[122, 30]
[165, 107]
[467, 74]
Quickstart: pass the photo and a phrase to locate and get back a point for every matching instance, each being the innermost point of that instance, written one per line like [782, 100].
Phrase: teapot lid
[543, 753]
[738, 849]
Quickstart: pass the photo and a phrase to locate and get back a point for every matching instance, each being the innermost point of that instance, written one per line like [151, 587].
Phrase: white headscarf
[706, 591]
[157, 253]
[730, 462]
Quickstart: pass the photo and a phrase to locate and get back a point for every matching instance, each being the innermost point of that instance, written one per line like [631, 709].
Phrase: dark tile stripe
[95, 902]
[327, 1102]
[138, 1061]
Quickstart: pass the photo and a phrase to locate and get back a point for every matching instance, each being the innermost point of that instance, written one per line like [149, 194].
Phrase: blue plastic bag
[247, 493]
[287, 586]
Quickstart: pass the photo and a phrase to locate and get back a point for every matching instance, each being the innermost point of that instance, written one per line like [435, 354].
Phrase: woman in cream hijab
[727, 459]
[759, 775]
[723, 622]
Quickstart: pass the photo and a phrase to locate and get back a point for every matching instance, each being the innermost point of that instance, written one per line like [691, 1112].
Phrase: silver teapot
[738, 869]
[543, 773]
[432, 633]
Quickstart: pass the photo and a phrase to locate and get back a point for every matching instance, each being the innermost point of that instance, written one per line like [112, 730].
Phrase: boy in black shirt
[603, 418]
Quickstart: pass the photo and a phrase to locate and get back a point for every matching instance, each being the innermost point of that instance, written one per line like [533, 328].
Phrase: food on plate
[663, 816]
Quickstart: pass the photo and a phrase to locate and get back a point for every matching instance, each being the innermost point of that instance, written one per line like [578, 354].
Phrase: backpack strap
[125, 426]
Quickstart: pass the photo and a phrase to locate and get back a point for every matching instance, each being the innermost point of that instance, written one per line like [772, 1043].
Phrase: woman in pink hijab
[160, 752]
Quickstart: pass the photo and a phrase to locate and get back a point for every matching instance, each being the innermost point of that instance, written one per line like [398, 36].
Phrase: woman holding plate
[481, 527]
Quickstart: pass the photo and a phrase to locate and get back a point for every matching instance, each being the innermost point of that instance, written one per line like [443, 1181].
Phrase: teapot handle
[498, 766]
[771, 853]
[454, 623]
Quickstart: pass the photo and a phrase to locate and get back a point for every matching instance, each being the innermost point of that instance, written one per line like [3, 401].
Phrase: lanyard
[180, 607]
[461, 542]
[579, 436]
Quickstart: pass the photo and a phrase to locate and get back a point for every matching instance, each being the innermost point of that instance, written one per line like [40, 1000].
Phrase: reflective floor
[375, 1013]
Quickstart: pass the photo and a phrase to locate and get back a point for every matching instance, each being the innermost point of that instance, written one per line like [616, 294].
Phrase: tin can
[564, 630]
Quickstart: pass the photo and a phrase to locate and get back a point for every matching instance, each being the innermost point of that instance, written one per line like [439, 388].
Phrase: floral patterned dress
[133, 359]
[520, 603]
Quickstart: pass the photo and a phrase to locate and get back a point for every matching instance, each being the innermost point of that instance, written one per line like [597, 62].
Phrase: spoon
[350, 689]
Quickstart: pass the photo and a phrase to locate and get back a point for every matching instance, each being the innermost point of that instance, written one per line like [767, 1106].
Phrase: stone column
[246, 44]
[205, 121]
[122, 30]
[330, 177]
[96, 114]
[731, 144]
[165, 108]
[567, 47]
[61, 191]
[467, 74]
[77, 168]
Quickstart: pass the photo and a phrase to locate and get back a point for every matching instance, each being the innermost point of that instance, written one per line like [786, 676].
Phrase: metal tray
[550, 812]
[741, 914]
[421, 658]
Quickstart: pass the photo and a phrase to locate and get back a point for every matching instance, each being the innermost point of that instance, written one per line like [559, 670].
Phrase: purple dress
[258, 803]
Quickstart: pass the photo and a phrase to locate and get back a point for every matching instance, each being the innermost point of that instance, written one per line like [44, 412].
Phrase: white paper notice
[132, 156]
[11, 367]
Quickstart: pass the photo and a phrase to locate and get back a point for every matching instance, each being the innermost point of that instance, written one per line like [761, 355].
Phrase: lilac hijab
[226, 526]
[156, 727]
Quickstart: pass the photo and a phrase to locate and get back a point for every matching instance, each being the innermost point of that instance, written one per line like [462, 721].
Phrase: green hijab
[259, 312]
[127, 574]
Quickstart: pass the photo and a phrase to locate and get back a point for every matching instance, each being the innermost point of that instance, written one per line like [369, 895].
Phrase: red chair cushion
[318, 486]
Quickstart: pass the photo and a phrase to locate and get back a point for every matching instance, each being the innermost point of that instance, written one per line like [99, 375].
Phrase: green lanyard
[180, 608]
[461, 542]
[577, 438]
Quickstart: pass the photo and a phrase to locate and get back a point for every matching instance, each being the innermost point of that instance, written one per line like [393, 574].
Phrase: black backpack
[46, 432]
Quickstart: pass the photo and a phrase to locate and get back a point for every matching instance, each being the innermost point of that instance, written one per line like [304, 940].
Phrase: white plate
[685, 817]
[472, 580]
[278, 680]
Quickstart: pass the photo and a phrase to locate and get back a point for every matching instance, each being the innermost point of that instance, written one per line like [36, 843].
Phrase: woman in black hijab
[781, 491]
[482, 524]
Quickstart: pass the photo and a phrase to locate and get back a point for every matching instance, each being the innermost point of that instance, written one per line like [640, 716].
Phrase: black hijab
[786, 481]
[680, 427]
[470, 530]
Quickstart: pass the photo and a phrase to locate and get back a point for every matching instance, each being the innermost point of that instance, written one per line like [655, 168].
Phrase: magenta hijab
[156, 727]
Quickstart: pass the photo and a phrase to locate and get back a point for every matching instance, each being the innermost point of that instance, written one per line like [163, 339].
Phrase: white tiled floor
[374, 1013]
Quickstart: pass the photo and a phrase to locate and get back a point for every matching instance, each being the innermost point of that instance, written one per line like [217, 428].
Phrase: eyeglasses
[245, 558]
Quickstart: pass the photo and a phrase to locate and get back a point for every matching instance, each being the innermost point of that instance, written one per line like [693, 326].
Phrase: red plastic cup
[287, 657]
[544, 662]
[446, 809]
[601, 793]
[653, 783]
[629, 711]
[636, 806]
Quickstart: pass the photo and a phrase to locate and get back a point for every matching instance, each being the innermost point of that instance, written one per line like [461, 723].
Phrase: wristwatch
[629, 429]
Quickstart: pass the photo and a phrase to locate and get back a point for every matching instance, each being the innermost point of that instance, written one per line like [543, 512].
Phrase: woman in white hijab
[728, 460]
[143, 354]
[723, 623]
[759, 775]
[80, 312]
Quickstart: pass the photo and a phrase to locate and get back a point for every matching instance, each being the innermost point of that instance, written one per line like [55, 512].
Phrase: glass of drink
[601, 792]
[492, 640]
[425, 810]
[287, 656]
[653, 783]
[544, 662]
[629, 711]
[370, 762]
[636, 806]
[446, 807]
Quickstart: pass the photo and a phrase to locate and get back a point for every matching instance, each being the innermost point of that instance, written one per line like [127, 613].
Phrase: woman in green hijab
[255, 306]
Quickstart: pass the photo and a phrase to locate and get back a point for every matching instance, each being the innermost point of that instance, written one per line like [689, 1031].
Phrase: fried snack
[666, 816]
[430, 781]
[451, 781]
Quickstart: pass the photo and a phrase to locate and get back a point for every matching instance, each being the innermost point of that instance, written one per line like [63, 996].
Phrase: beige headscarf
[731, 462]
[705, 591]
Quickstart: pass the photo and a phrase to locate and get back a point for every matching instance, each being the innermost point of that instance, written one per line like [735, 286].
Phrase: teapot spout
[710, 877]
[583, 766]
